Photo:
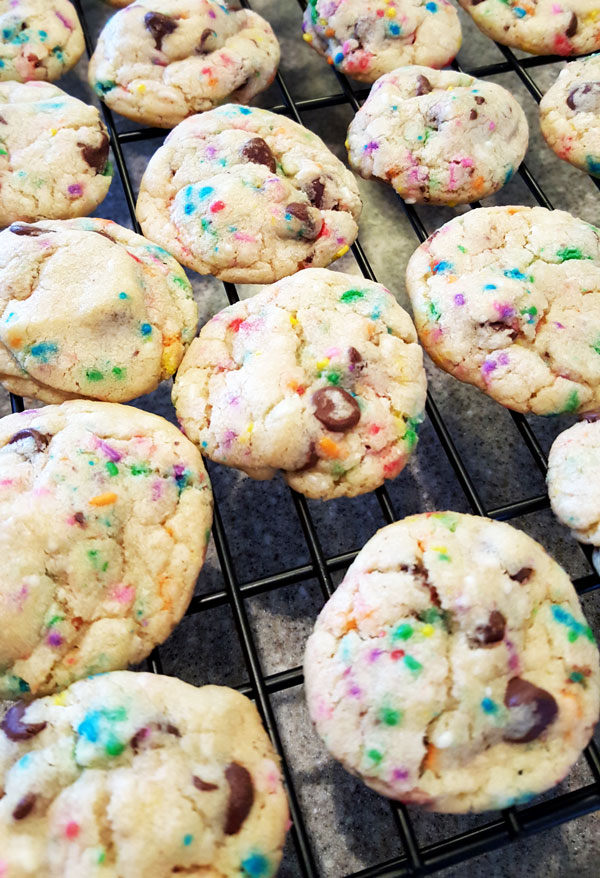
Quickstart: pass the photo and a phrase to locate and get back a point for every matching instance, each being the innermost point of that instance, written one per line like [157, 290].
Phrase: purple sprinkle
[374, 654]
[111, 453]
[64, 20]
[178, 470]
[400, 774]
[228, 438]
[76, 189]
[504, 310]
[503, 359]
[355, 691]
[210, 152]
[54, 638]
[371, 147]
[559, 325]
[459, 299]
[211, 14]
[488, 366]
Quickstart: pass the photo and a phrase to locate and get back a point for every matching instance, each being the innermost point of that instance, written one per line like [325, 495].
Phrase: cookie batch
[452, 668]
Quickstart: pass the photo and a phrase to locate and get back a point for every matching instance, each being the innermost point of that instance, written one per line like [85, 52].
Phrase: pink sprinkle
[437, 333]
[41, 492]
[64, 20]
[332, 352]
[323, 709]
[111, 453]
[157, 489]
[400, 774]
[211, 14]
[5, 482]
[355, 691]
[75, 189]
[371, 147]
[210, 152]
[504, 310]
[3, 868]
[374, 654]
[558, 325]
[467, 162]
[242, 236]
[54, 639]
[556, 9]
[288, 826]
[503, 359]
[492, 126]
[229, 438]
[124, 594]
[452, 182]
[459, 299]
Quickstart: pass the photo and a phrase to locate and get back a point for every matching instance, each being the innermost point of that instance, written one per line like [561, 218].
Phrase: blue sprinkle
[509, 174]
[1, 63]
[90, 727]
[42, 35]
[123, 296]
[515, 274]
[339, 58]
[256, 866]
[489, 706]
[519, 11]
[146, 329]
[431, 7]
[593, 165]
[205, 444]
[44, 350]
[441, 267]
[187, 840]
[244, 111]
[205, 191]
[394, 29]
[189, 208]
[490, 287]
[24, 760]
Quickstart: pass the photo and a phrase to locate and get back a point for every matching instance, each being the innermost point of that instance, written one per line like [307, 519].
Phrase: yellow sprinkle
[308, 38]
[169, 360]
[592, 16]
[441, 549]
[293, 320]
[341, 252]
[53, 132]
[391, 13]
[103, 499]
[321, 364]
[60, 700]
[347, 144]
[322, 22]
[141, 88]
[427, 630]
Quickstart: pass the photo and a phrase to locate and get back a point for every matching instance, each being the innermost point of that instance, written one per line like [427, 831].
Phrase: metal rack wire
[511, 824]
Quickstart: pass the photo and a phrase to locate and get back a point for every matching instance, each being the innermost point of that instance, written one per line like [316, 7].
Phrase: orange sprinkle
[104, 499]
[330, 448]
[350, 625]
[329, 60]
[431, 758]
[15, 341]
[329, 32]
[479, 182]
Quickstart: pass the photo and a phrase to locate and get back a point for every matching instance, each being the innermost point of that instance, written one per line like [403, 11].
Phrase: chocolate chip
[34, 60]
[79, 517]
[572, 26]
[203, 785]
[434, 116]
[24, 806]
[315, 191]
[336, 409]
[103, 233]
[585, 98]
[499, 325]
[299, 210]
[29, 231]
[522, 575]
[171, 730]
[479, 100]
[534, 710]
[96, 156]
[206, 34]
[311, 460]
[15, 729]
[476, 2]
[241, 797]
[41, 440]
[490, 633]
[355, 358]
[310, 229]
[137, 739]
[423, 86]
[473, 115]
[159, 26]
[257, 151]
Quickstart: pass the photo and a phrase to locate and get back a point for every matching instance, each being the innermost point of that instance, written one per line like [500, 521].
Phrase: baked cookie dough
[119, 3]
[365, 38]
[453, 667]
[89, 309]
[573, 479]
[106, 513]
[319, 375]
[508, 299]
[543, 27]
[53, 154]
[136, 774]
[248, 196]
[570, 115]
[438, 136]
[39, 39]
[159, 61]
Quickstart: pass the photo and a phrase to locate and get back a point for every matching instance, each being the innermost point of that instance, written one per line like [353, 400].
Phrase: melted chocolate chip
[299, 210]
[241, 797]
[257, 151]
[206, 34]
[434, 116]
[40, 439]
[15, 729]
[499, 325]
[159, 26]
[96, 156]
[203, 785]
[522, 575]
[572, 26]
[311, 460]
[356, 359]
[423, 86]
[336, 409]
[171, 730]
[34, 60]
[24, 806]
[585, 98]
[479, 100]
[473, 115]
[315, 191]
[490, 633]
[534, 708]
[476, 2]
[26, 230]
[79, 517]
[310, 229]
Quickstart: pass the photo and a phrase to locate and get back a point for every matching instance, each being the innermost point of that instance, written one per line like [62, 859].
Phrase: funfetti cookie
[508, 299]
[319, 375]
[543, 27]
[84, 774]
[573, 479]
[106, 515]
[570, 115]
[438, 136]
[159, 61]
[53, 154]
[89, 309]
[453, 667]
[366, 38]
[39, 39]
[248, 196]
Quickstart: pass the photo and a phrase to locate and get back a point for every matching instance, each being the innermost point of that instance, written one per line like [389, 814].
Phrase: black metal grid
[511, 824]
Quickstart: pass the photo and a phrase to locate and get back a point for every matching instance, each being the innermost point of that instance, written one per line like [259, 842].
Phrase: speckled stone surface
[351, 827]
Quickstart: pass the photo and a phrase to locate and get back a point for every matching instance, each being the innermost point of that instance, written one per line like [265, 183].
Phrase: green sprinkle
[333, 377]
[108, 170]
[3, 152]
[403, 632]
[434, 311]
[462, 249]
[577, 677]
[447, 520]
[389, 716]
[570, 253]
[114, 747]
[572, 636]
[101, 857]
[412, 664]
[54, 621]
[112, 468]
[182, 282]
[119, 371]
[94, 375]
[352, 296]
[375, 756]
[139, 469]
[572, 401]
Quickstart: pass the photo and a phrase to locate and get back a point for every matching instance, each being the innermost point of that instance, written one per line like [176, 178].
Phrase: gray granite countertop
[351, 827]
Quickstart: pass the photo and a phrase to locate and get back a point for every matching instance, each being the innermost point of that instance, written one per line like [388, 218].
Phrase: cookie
[438, 136]
[573, 476]
[53, 154]
[137, 774]
[366, 38]
[106, 514]
[89, 309]
[159, 61]
[570, 115]
[453, 667]
[119, 3]
[542, 28]
[505, 298]
[319, 375]
[248, 196]
[39, 39]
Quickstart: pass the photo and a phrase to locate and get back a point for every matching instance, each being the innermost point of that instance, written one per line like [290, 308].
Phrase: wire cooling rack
[512, 824]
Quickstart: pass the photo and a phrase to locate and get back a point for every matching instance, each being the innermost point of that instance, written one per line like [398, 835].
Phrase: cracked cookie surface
[78, 769]
[541, 28]
[159, 61]
[570, 115]
[438, 136]
[107, 567]
[573, 478]
[89, 309]
[53, 154]
[366, 38]
[319, 375]
[248, 196]
[39, 39]
[453, 667]
[508, 299]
